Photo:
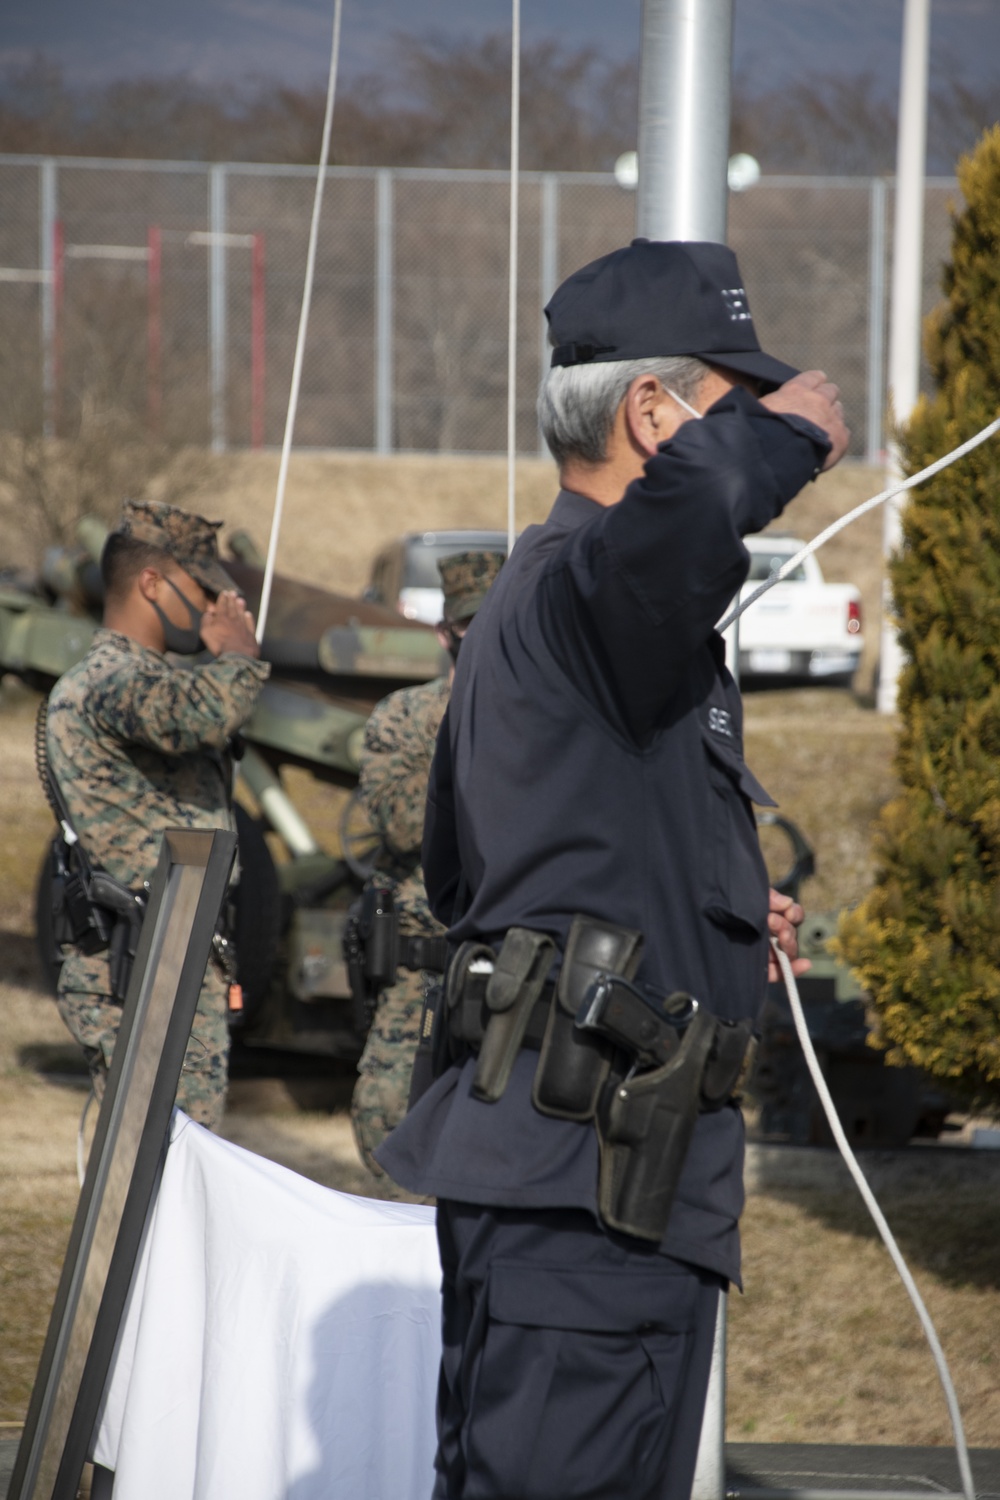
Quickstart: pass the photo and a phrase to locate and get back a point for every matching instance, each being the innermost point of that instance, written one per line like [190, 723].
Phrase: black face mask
[454, 641]
[182, 640]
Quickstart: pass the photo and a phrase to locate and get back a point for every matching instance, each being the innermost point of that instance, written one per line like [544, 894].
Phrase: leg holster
[574, 1066]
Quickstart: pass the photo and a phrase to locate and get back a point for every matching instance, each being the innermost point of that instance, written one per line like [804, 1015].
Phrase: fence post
[258, 341]
[548, 268]
[48, 217]
[154, 331]
[384, 270]
[874, 443]
[217, 303]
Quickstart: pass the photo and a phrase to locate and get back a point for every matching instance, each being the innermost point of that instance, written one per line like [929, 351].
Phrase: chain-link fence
[175, 288]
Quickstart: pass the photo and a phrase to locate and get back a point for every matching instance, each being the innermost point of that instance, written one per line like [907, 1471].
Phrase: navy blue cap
[657, 298]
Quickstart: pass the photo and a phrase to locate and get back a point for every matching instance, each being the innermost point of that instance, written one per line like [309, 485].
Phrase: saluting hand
[812, 396]
[784, 917]
[227, 625]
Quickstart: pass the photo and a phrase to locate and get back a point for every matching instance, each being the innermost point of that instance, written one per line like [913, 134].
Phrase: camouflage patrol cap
[465, 579]
[189, 539]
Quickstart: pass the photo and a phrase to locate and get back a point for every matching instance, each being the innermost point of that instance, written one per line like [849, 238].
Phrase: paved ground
[757, 1470]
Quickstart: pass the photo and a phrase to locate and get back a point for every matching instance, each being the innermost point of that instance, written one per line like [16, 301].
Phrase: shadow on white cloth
[281, 1341]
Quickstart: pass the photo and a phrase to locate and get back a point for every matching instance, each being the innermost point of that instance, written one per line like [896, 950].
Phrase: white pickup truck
[802, 628]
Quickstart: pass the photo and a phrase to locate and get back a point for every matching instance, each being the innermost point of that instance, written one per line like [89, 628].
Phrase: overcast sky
[216, 40]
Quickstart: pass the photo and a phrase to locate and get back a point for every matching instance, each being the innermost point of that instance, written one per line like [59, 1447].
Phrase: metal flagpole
[904, 315]
[684, 103]
[515, 112]
[682, 194]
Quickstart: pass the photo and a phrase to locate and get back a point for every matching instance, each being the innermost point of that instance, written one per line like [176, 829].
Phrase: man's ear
[650, 415]
[147, 581]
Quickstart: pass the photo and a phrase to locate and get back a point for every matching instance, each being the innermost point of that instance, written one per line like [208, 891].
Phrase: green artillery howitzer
[333, 658]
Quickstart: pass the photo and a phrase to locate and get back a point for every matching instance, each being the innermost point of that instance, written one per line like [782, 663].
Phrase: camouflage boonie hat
[189, 539]
[466, 579]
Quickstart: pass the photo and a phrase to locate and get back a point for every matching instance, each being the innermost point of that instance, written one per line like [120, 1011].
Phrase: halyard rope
[852, 515]
[851, 1161]
[300, 342]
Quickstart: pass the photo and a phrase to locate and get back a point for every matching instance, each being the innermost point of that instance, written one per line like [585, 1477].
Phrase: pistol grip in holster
[645, 1126]
[518, 978]
[574, 1066]
[124, 912]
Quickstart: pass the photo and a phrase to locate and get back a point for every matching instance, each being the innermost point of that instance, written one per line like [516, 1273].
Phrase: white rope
[515, 127]
[852, 515]
[300, 342]
[961, 1448]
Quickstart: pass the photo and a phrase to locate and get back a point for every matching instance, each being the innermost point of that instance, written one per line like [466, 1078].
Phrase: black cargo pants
[575, 1361]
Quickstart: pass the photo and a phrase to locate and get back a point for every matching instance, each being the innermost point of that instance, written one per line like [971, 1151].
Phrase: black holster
[371, 950]
[574, 1066]
[96, 914]
[75, 919]
[646, 1121]
[644, 1128]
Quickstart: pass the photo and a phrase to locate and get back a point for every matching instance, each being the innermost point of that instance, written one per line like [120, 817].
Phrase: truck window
[763, 564]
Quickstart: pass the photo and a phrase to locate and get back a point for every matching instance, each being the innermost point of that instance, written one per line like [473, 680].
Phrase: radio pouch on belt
[573, 1066]
[518, 978]
[644, 1128]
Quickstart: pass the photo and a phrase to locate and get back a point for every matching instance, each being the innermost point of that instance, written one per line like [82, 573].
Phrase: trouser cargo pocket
[571, 1380]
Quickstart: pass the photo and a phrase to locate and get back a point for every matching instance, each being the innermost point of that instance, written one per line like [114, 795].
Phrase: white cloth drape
[281, 1341]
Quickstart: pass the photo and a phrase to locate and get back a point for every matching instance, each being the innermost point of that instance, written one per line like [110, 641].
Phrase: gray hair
[577, 404]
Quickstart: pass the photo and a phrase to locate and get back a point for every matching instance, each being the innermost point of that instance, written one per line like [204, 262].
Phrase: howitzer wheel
[360, 842]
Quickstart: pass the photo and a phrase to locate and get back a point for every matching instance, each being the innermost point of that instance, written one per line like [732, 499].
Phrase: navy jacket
[591, 761]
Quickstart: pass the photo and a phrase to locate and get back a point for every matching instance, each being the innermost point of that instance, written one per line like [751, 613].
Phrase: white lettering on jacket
[720, 721]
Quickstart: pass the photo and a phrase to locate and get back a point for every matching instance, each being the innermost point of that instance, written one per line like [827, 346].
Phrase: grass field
[824, 1345]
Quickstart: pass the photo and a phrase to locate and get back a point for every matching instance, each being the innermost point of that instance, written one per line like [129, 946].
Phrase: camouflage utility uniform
[137, 746]
[399, 743]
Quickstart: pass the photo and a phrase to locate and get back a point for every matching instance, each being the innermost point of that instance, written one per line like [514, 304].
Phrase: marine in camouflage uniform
[138, 745]
[395, 763]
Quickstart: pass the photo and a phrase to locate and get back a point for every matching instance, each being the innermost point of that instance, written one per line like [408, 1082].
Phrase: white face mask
[681, 402]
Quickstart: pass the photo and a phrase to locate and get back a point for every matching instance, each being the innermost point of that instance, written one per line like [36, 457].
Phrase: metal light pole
[684, 103]
[904, 318]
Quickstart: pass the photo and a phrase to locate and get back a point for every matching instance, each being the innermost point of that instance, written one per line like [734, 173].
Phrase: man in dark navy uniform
[590, 768]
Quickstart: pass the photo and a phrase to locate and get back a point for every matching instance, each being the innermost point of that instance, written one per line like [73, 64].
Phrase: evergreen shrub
[925, 941]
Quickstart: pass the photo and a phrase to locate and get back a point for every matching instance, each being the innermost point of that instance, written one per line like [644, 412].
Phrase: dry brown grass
[827, 761]
[824, 1346]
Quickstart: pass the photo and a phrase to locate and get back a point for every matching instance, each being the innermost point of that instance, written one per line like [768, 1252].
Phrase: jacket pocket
[736, 897]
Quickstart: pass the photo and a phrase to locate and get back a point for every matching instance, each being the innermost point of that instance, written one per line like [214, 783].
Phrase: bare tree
[87, 445]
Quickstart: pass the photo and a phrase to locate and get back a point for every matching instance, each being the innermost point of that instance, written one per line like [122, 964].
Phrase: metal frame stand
[125, 1164]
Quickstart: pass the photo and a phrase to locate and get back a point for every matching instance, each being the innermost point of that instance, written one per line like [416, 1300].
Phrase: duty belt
[640, 1066]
